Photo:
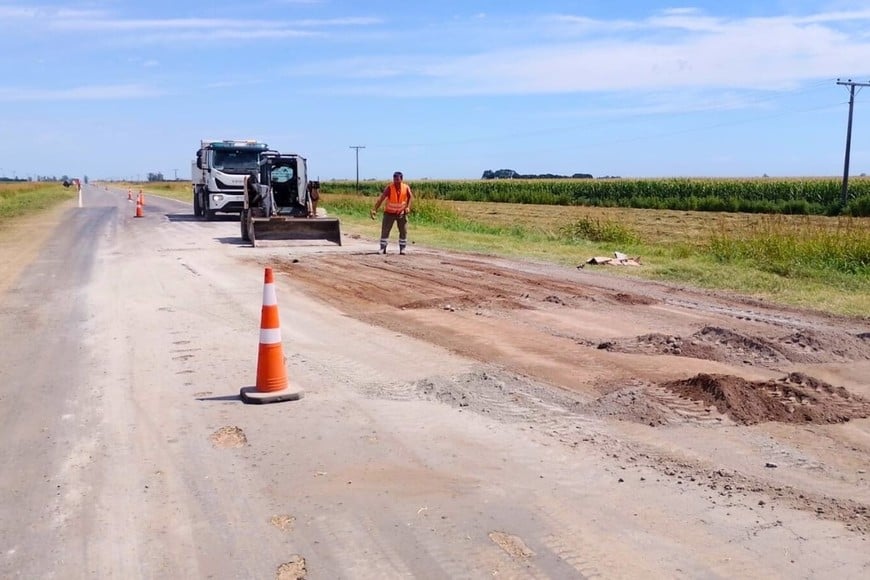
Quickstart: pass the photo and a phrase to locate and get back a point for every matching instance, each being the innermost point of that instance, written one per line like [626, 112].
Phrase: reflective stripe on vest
[397, 199]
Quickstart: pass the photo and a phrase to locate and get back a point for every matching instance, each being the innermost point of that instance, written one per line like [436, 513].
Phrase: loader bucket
[290, 228]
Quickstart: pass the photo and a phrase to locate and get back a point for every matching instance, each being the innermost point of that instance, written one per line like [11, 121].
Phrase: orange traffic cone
[129, 194]
[272, 383]
[138, 208]
[142, 198]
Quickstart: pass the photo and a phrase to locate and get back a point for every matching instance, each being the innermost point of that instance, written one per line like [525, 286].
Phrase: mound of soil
[808, 346]
[630, 404]
[726, 345]
[796, 398]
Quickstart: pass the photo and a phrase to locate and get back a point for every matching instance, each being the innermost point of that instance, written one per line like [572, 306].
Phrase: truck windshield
[235, 160]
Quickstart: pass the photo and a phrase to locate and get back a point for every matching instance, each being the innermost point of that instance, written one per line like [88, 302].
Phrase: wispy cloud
[86, 93]
[173, 30]
[9, 12]
[210, 24]
[671, 50]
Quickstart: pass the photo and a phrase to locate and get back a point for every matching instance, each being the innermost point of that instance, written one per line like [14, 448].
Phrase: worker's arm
[408, 203]
[380, 200]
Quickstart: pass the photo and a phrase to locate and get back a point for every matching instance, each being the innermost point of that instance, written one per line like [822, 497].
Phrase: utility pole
[176, 174]
[357, 147]
[844, 194]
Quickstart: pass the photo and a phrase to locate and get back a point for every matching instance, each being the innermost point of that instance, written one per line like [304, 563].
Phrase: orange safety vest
[397, 200]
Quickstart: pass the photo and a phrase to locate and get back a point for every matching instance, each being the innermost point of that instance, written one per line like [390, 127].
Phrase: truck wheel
[243, 219]
[197, 207]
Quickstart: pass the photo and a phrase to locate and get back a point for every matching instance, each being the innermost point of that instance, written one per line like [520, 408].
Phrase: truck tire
[207, 213]
[197, 206]
[243, 219]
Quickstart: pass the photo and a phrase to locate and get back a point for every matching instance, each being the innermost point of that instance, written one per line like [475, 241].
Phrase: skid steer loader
[281, 204]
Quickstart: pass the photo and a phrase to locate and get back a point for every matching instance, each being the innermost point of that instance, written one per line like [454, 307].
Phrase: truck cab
[218, 175]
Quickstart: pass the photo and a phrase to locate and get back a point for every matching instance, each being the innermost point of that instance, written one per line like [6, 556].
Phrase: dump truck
[280, 203]
[218, 174]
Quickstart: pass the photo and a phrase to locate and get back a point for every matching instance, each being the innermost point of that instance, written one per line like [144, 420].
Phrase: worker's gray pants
[387, 227]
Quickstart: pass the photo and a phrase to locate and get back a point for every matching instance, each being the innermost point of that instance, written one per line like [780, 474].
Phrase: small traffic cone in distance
[272, 382]
[138, 208]
[142, 198]
[129, 194]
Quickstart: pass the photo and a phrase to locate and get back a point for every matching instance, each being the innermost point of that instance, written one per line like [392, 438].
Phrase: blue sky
[448, 89]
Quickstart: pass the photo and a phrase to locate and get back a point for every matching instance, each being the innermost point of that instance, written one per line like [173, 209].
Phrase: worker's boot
[383, 249]
[402, 244]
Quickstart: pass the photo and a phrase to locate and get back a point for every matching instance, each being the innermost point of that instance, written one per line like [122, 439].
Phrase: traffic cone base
[252, 395]
[272, 383]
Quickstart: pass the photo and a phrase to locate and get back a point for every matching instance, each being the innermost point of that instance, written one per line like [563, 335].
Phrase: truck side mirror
[199, 160]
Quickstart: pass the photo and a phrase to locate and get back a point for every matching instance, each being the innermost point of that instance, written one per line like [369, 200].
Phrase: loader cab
[284, 175]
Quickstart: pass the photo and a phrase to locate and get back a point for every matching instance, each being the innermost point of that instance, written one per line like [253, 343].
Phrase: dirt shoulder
[22, 238]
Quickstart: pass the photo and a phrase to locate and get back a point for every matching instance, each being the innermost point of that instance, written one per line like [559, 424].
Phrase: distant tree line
[155, 176]
[49, 178]
[511, 174]
[37, 178]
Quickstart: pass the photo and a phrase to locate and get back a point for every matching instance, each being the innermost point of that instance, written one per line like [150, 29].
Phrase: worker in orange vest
[398, 197]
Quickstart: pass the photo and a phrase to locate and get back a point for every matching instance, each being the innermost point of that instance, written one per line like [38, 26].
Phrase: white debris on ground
[618, 259]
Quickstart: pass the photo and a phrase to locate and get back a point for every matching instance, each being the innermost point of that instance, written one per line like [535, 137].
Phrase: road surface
[463, 416]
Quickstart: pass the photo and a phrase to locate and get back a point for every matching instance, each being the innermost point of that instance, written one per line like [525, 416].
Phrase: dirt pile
[633, 403]
[726, 345]
[796, 398]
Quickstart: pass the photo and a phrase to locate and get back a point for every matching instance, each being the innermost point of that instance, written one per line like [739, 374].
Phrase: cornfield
[809, 196]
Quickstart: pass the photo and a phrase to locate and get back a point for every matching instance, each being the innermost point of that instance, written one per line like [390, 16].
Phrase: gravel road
[463, 416]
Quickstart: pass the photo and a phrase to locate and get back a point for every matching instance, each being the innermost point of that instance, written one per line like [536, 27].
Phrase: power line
[844, 194]
[357, 147]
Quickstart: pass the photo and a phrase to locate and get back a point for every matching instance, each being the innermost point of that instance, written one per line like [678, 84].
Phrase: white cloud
[172, 30]
[45, 13]
[674, 49]
[694, 51]
[208, 24]
[85, 93]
